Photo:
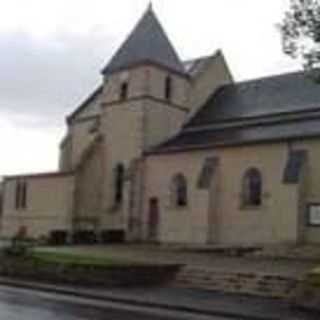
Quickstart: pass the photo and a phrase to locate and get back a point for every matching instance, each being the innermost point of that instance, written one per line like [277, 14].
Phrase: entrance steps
[251, 283]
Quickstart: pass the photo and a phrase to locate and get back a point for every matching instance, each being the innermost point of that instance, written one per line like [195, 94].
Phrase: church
[177, 152]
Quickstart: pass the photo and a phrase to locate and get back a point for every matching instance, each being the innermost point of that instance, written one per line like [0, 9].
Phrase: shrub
[58, 237]
[19, 244]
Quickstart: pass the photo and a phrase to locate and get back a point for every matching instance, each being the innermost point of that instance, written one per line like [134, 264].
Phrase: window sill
[313, 225]
[180, 208]
[250, 207]
[115, 208]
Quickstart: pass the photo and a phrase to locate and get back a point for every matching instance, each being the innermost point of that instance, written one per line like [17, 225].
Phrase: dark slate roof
[85, 103]
[192, 67]
[295, 163]
[270, 109]
[197, 139]
[285, 93]
[147, 43]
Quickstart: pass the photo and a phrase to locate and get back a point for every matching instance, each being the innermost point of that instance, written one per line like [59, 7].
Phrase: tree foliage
[300, 31]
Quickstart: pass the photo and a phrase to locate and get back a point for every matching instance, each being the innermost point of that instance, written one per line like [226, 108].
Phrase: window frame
[24, 195]
[21, 195]
[124, 90]
[119, 184]
[309, 220]
[180, 191]
[251, 190]
[168, 88]
[17, 195]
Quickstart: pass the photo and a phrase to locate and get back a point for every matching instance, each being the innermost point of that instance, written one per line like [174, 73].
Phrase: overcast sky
[52, 53]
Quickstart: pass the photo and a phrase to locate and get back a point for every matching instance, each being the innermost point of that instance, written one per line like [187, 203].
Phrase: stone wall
[81, 137]
[311, 186]
[49, 203]
[214, 74]
[161, 121]
[146, 81]
[89, 184]
[88, 274]
[187, 224]
[217, 215]
[65, 154]
[81, 130]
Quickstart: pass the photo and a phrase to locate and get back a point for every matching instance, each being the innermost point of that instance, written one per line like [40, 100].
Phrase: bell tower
[144, 102]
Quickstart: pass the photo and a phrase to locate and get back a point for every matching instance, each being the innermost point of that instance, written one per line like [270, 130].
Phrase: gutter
[133, 301]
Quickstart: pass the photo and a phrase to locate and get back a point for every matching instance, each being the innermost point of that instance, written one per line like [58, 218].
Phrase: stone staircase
[258, 284]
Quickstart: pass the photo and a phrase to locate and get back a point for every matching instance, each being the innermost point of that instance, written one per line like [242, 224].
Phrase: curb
[129, 301]
[309, 309]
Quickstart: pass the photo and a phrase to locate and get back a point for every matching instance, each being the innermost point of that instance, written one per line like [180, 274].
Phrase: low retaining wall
[308, 293]
[88, 275]
[258, 284]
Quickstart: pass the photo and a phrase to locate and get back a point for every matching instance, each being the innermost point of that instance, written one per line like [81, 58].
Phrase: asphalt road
[22, 304]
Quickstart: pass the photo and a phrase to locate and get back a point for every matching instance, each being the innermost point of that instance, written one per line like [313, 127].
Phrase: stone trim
[168, 103]
[39, 175]
[308, 215]
[145, 63]
[202, 147]
[85, 119]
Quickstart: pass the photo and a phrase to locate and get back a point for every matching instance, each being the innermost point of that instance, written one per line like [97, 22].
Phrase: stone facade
[112, 177]
[48, 207]
[216, 215]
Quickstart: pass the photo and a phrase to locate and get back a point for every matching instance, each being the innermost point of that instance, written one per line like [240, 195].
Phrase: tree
[300, 31]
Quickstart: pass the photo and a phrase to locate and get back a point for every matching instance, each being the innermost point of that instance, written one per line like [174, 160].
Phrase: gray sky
[52, 53]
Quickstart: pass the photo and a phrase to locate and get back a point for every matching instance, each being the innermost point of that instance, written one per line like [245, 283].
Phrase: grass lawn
[73, 258]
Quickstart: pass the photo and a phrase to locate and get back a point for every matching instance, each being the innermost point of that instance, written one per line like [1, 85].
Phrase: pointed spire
[150, 6]
[148, 43]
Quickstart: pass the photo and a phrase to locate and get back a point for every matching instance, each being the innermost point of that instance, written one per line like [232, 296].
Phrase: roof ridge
[85, 102]
[268, 77]
[203, 57]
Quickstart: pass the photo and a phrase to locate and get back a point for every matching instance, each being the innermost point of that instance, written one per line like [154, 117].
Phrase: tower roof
[148, 42]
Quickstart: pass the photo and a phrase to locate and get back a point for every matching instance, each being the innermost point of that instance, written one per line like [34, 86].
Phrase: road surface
[22, 304]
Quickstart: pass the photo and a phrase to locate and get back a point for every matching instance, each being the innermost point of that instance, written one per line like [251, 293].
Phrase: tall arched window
[168, 88]
[180, 190]
[124, 90]
[18, 194]
[24, 195]
[21, 195]
[252, 188]
[119, 182]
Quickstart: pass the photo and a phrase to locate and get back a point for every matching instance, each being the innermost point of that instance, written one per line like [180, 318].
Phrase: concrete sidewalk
[187, 300]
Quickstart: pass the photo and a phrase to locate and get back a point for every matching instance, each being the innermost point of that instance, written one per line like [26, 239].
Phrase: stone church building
[176, 152]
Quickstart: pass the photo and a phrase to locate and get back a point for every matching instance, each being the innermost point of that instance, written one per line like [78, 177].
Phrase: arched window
[21, 195]
[168, 88]
[17, 195]
[252, 188]
[24, 195]
[180, 190]
[124, 91]
[119, 181]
